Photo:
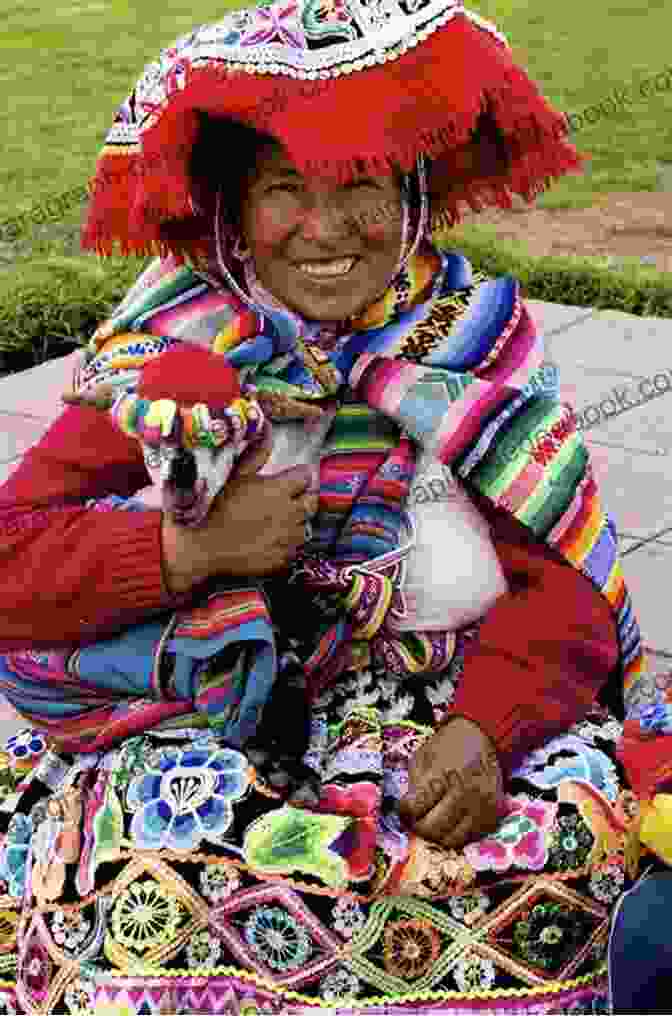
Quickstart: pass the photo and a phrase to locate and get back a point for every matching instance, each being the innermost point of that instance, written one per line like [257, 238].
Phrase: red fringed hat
[347, 87]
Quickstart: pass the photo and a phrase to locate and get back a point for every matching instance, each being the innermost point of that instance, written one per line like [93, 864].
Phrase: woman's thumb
[256, 455]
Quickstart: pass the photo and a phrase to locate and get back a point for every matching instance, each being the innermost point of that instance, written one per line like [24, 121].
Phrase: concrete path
[615, 371]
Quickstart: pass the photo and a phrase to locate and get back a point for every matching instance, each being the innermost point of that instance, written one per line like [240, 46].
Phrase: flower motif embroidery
[606, 882]
[218, 881]
[37, 970]
[339, 984]
[410, 948]
[474, 974]
[549, 934]
[26, 745]
[145, 915]
[520, 839]
[570, 843]
[278, 938]
[348, 917]
[15, 854]
[185, 796]
[204, 949]
[277, 23]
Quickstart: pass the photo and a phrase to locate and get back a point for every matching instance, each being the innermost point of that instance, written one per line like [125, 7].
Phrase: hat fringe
[142, 197]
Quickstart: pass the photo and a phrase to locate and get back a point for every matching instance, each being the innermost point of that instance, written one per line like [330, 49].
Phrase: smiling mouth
[327, 271]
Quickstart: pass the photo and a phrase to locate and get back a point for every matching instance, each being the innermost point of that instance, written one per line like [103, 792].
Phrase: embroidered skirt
[165, 876]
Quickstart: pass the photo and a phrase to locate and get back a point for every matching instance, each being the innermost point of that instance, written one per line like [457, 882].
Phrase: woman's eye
[283, 186]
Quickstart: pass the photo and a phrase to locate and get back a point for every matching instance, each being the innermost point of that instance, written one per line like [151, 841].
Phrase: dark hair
[225, 152]
[210, 170]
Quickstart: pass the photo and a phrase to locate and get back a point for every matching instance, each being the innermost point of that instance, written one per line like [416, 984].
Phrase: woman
[474, 827]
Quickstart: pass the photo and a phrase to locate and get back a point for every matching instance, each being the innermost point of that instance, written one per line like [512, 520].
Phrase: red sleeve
[544, 650]
[71, 574]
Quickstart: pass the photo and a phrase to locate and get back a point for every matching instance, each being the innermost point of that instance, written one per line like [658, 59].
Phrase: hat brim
[457, 98]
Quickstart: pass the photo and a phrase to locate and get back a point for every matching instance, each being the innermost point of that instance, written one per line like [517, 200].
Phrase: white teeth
[341, 267]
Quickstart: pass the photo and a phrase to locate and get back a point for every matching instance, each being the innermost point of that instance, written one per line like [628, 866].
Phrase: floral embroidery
[469, 908]
[570, 844]
[278, 23]
[520, 839]
[56, 842]
[185, 796]
[145, 915]
[26, 745]
[549, 934]
[348, 917]
[291, 839]
[585, 764]
[278, 938]
[410, 948]
[204, 949]
[473, 973]
[611, 730]
[37, 969]
[218, 881]
[69, 929]
[15, 854]
[339, 984]
[606, 882]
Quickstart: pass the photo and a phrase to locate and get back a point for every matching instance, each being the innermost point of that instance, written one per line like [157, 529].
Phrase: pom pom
[188, 375]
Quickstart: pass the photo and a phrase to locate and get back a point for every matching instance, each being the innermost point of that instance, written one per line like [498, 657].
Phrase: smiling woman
[325, 250]
[466, 785]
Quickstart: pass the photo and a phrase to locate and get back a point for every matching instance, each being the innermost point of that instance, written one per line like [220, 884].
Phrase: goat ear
[101, 398]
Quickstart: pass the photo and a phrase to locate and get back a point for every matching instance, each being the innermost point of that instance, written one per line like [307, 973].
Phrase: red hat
[347, 87]
[189, 375]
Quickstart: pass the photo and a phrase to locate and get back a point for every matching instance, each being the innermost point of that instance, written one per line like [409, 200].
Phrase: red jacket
[72, 575]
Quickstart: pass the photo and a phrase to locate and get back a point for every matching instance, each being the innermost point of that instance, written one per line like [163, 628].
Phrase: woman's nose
[325, 218]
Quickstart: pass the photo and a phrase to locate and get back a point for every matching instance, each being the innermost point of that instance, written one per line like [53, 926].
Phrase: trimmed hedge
[51, 304]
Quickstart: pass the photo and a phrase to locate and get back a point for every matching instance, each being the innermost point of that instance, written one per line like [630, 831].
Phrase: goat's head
[189, 452]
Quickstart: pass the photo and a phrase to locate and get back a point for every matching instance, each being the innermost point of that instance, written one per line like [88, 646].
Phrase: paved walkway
[615, 372]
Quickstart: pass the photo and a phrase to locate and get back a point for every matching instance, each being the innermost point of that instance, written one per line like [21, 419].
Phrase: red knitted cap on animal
[189, 375]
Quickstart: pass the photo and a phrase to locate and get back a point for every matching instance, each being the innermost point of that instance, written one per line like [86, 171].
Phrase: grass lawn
[66, 68]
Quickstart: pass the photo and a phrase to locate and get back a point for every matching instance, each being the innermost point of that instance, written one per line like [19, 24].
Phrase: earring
[240, 255]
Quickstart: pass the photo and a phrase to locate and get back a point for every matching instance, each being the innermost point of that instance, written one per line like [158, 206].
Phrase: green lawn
[67, 68]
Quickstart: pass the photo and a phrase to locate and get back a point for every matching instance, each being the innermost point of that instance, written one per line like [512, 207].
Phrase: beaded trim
[161, 420]
[388, 32]
[398, 33]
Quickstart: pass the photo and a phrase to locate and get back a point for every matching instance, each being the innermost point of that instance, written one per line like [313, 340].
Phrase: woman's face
[325, 250]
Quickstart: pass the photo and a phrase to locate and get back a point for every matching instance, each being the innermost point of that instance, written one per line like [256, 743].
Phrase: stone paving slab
[17, 434]
[35, 393]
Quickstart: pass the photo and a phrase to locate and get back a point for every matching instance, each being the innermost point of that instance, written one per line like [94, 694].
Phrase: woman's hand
[255, 526]
[455, 787]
